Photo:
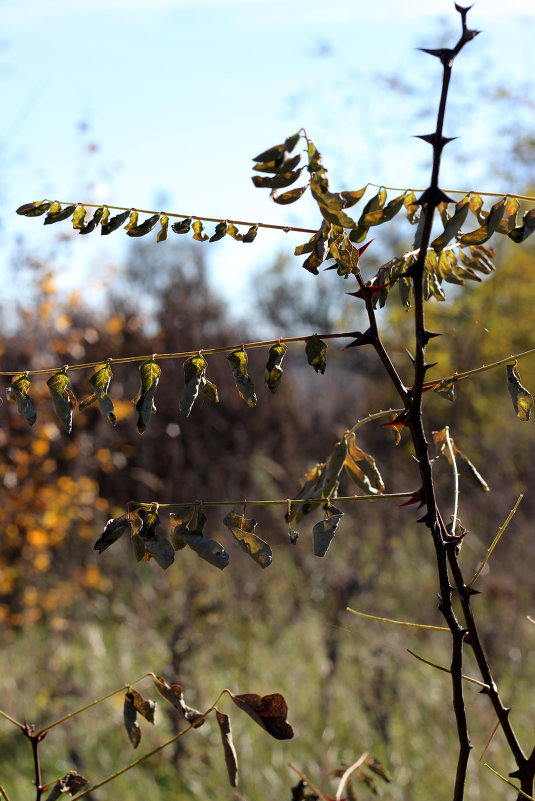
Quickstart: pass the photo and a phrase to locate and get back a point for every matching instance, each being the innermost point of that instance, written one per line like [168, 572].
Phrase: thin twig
[455, 480]
[447, 670]
[281, 502]
[305, 778]
[495, 542]
[495, 729]
[518, 790]
[12, 720]
[458, 192]
[348, 773]
[396, 622]
[3, 792]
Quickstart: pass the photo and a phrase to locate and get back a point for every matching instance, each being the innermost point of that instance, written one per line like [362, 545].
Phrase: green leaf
[149, 373]
[316, 350]
[324, 531]
[78, 218]
[18, 393]
[162, 233]
[288, 197]
[209, 550]
[522, 399]
[273, 374]
[361, 468]
[130, 722]
[35, 209]
[183, 226]
[143, 228]
[231, 759]
[93, 222]
[485, 232]
[453, 226]
[278, 181]
[59, 215]
[198, 229]
[113, 223]
[62, 398]
[244, 385]
[250, 236]
[220, 231]
[446, 389]
[243, 531]
[100, 382]
[465, 467]
[113, 530]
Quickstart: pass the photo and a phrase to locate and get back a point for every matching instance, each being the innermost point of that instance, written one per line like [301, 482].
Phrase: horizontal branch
[280, 502]
[456, 192]
[181, 355]
[396, 622]
[476, 370]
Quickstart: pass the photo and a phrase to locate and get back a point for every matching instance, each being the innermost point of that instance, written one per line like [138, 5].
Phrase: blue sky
[176, 98]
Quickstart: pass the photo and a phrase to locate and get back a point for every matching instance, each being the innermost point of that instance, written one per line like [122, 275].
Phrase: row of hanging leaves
[187, 526]
[195, 378]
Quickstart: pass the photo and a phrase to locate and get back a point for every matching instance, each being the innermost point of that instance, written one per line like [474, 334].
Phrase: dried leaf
[113, 223]
[361, 468]
[143, 228]
[183, 226]
[35, 209]
[324, 531]
[287, 164]
[522, 399]
[71, 783]
[144, 707]
[465, 467]
[113, 530]
[209, 550]
[162, 233]
[194, 374]
[526, 229]
[220, 231]
[374, 765]
[173, 694]
[58, 215]
[130, 721]
[62, 398]
[234, 233]
[180, 520]
[78, 218]
[244, 385]
[250, 235]
[284, 198]
[231, 759]
[269, 711]
[93, 222]
[273, 374]
[485, 232]
[198, 229]
[446, 389]
[100, 382]
[277, 152]
[18, 393]
[277, 181]
[315, 350]
[454, 224]
[149, 373]
[243, 531]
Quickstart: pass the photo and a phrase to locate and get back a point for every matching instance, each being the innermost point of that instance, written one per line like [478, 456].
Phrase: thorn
[400, 420]
[411, 357]
[361, 339]
[364, 247]
[432, 139]
[416, 497]
[471, 591]
[515, 774]
[425, 336]
[445, 55]
[433, 195]
[428, 366]
[369, 290]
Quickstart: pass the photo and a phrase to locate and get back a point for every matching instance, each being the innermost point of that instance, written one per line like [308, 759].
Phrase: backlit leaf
[353, 197]
[324, 531]
[244, 385]
[381, 215]
[34, 209]
[231, 759]
[141, 705]
[243, 531]
[288, 164]
[331, 204]
[361, 468]
[113, 223]
[71, 783]
[526, 229]
[278, 181]
[269, 711]
[316, 350]
[512, 207]
[173, 694]
[78, 218]
[454, 224]
[220, 231]
[154, 544]
[149, 373]
[18, 393]
[288, 197]
[183, 226]
[465, 467]
[58, 216]
[198, 229]
[446, 389]
[485, 232]
[100, 382]
[132, 222]
[180, 520]
[194, 373]
[143, 228]
[233, 232]
[522, 399]
[412, 208]
[273, 374]
[277, 152]
[250, 236]
[93, 222]
[62, 398]
[161, 236]
[130, 721]
[113, 530]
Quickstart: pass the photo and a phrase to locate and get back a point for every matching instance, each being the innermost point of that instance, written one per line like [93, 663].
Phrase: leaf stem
[396, 622]
[458, 192]
[455, 480]
[3, 793]
[12, 720]
[495, 542]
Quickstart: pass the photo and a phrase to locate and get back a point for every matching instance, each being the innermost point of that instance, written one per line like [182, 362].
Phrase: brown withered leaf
[113, 530]
[324, 531]
[71, 783]
[231, 758]
[243, 531]
[130, 721]
[269, 711]
[173, 694]
[141, 705]
[522, 399]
